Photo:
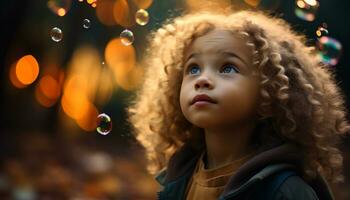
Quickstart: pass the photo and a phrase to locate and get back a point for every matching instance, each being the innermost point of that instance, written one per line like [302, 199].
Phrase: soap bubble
[127, 37]
[104, 124]
[330, 50]
[86, 23]
[306, 9]
[321, 31]
[56, 34]
[142, 17]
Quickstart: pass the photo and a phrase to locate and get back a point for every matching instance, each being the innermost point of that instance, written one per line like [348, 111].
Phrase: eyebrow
[228, 53]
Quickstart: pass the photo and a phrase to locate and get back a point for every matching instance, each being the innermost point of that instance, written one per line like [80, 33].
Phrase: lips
[202, 97]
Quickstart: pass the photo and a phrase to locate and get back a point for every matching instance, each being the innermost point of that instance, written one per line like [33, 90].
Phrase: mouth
[202, 98]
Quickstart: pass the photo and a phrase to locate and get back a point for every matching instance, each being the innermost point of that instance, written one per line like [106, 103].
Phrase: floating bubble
[127, 37]
[306, 9]
[330, 50]
[104, 124]
[86, 23]
[56, 34]
[142, 17]
[321, 31]
[324, 25]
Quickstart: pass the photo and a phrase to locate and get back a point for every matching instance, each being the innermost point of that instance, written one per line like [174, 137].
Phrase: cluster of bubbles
[306, 9]
[141, 18]
[329, 49]
[104, 124]
[321, 31]
[57, 34]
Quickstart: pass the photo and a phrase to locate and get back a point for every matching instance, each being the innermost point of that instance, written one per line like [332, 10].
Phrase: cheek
[242, 100]
[183, 99]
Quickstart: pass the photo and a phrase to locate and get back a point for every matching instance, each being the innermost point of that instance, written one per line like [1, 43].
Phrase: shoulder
[294, 188]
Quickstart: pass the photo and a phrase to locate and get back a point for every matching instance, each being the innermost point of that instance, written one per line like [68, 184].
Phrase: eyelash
[223, 67]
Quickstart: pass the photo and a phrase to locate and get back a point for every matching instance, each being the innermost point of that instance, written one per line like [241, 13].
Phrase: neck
[226, 145]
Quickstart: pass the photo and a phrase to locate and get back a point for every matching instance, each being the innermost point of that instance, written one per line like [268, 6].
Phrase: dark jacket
[249, 178]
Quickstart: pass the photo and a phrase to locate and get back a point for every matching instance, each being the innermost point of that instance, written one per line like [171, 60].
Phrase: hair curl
[306, 105]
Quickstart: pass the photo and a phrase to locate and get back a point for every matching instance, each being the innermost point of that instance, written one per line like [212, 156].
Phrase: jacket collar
[267, 162]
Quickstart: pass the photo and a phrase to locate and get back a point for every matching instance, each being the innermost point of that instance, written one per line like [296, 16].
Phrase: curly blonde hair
[306, 105]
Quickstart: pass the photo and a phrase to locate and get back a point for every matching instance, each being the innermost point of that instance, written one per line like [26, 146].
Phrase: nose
[203, 82]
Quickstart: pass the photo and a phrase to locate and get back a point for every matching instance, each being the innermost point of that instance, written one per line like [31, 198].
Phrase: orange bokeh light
[119, 57]
[60, 7]
[301, 4]
[13, 77]
[88, 121]
[27, 69]
[201, 4]
[49, 87]
[74, 104]
[143, 3]
[130, 80]
[42, 99]
[61, 12]
[123, 14]
[253, 3]
[104, 12]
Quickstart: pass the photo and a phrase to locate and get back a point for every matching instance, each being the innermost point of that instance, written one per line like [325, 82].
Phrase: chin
[204, 123]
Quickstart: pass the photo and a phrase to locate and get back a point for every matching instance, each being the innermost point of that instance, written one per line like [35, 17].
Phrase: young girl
[236, 106]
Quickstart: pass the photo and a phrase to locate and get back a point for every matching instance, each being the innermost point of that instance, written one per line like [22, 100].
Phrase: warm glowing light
[253, 3]
[42, 99]
[104, 12]
[143, 3]
[61, 12]
[93, 5]
[75, 105]
[123, 14]
[59, 7]
[119, 57]
[27, 69]
[13, 77]
[49, 87]
[88, 121]
[311, 2]
[87, 82]
[105, 87]
[301, 4]
[130, 80]
[90, 1]
[200, 5]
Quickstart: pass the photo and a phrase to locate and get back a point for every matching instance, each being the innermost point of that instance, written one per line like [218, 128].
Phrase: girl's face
[219, 65]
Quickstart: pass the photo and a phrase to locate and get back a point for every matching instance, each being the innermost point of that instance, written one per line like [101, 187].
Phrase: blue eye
[193, 69]
[229, 68]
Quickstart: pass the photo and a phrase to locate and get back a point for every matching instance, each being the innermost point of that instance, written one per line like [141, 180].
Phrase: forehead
[217, 41]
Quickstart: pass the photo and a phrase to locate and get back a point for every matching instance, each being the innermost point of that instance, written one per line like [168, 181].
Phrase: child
[236, 106]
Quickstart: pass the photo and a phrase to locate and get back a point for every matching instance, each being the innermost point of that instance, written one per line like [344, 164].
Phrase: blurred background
[68, 70]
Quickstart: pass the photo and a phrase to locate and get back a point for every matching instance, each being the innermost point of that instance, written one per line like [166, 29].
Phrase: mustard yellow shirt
[208, 184]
